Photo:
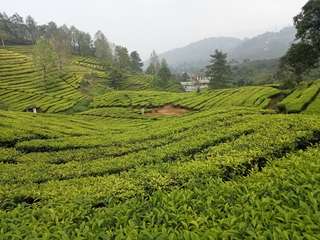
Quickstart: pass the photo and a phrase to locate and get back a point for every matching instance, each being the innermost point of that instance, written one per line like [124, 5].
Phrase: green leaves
[91, 177]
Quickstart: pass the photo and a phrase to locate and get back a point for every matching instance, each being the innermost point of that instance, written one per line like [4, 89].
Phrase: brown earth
[275, 100]
[167, 110]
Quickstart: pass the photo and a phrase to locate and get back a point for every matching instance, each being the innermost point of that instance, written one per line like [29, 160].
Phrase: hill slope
[21, 85]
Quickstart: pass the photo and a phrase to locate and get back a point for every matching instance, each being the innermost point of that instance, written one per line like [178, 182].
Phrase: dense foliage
[304, 55]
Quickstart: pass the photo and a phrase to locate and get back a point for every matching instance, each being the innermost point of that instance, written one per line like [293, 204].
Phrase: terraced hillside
[21, 86]
[213, 174]
[303, 99]
[247, 97]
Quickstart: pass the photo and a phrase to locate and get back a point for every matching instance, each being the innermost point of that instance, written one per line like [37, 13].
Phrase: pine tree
[122, 59]
[218, 70]
[136, 63]
[164, 75]
[102, 47]
[154, 65]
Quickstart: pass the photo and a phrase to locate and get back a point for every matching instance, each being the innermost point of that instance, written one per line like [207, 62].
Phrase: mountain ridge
[194, 56]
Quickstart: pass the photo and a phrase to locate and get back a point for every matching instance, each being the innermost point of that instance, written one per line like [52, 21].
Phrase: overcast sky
[145, 25]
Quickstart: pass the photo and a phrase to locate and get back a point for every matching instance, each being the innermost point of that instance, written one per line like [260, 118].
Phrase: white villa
[197, 82]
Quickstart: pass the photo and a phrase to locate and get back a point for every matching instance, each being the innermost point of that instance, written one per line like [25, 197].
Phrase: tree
[300, 58]
[4, 36]
[32, 29]
[154, 65]
[60, 42]
[218, 70]
[308, 24]
[44, 58]
[136, 62]
[164, 75]
[116, 76]
[102, 47]
[4, 29]
[121, 57]
[51, 29]
[81, 42]
[286, 75]
[85, 44]
[185, 77]
[17, 28]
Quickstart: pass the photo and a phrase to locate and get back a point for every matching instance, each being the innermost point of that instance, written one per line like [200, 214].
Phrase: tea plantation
[242, 163]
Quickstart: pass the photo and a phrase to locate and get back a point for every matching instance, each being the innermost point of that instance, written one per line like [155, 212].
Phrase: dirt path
[275, 100]
[167, 110]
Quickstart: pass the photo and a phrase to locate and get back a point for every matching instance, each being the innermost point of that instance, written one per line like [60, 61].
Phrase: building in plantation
[196, 83]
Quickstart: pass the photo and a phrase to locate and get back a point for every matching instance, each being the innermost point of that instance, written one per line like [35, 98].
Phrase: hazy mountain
[196, 54]
[270, 45]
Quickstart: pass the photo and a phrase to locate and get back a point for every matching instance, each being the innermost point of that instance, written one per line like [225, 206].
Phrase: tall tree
[154, 65]
[32, 29]
[136, 62]
[51, 29]
[17, 27]
[308, 24]
[44, 58]
[4, 29]
[121, 57]
[81, 42]
[164, 75]
[102, 48]
[305, 53]
[300, 58]
[218, 70]
[4, 36]
[116, 76]
[85, 44]
[60, 42]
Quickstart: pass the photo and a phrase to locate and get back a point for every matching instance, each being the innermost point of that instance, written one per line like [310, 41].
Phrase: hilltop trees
[218, 70]
[44, 58]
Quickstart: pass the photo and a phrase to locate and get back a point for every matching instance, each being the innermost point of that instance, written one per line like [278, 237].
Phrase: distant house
[196, 83]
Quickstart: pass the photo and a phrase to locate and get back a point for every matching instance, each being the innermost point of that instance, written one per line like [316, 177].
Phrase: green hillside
[21, 85]
[100, 163]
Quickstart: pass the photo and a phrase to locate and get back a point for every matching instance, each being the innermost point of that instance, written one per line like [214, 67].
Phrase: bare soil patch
[275, 100]
[167, 110]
